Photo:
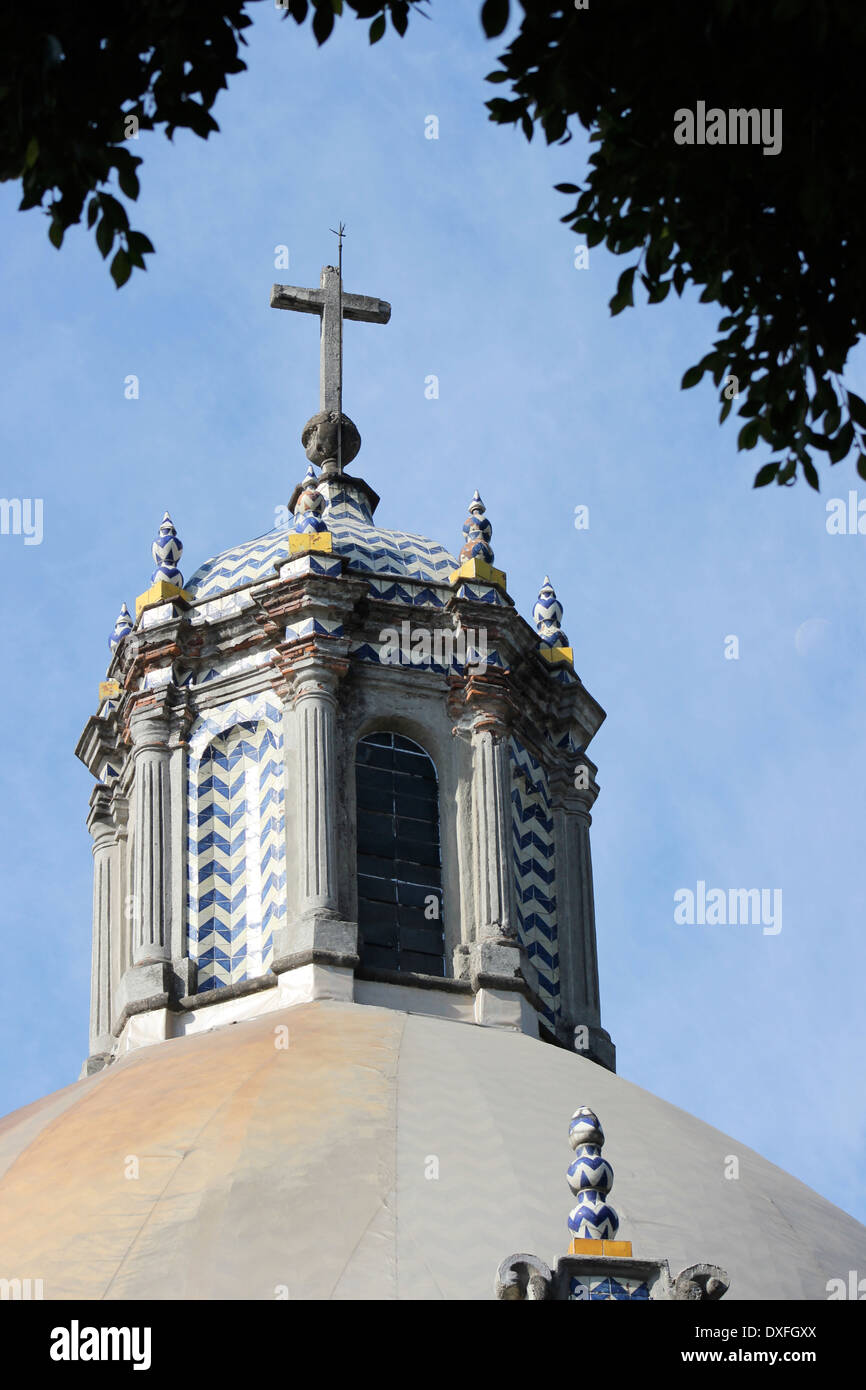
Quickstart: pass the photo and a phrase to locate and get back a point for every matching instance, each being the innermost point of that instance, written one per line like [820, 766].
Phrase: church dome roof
[377, 1154]
[366, 547]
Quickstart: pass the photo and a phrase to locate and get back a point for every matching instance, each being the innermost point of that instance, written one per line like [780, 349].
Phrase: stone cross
[332, 305]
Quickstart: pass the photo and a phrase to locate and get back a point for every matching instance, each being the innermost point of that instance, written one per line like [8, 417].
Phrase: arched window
[399, 866]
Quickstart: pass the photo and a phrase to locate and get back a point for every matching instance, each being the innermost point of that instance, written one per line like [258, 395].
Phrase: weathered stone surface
[328, 301]
[147, 982]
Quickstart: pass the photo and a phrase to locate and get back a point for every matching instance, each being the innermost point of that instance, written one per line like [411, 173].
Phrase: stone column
[503, 979]
[151, 873]
[576, 905]
[183, 969]
[146, 983]
[105, 921]
[121, 957]
[318, 932]
[495, 910]
[579, 1026]
[315, 704]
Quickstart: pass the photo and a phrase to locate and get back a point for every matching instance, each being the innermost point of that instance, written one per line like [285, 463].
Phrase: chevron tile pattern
[482, 593]
[607, 1290]
[365, 651]
[562, 674]
[535, 872]
[356, 539]
[308, 627]
[415, 595]
[186, 675]
[223, 607]
[160, 676]
[236, 840]
[312, 563]
[459, 657]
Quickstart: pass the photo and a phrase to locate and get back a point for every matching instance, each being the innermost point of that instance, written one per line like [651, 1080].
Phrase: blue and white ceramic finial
[477, 531]
[590, 1178]
[547, 616]
[309, 506]
[166, 551]
[121, 628]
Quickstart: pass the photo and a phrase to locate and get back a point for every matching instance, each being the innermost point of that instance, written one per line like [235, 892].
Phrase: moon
[811, 636]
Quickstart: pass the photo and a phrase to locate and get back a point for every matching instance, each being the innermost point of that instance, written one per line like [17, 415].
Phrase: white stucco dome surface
[377, 1154]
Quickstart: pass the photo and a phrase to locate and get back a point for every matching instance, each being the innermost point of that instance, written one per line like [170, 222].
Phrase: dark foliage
[776, 241]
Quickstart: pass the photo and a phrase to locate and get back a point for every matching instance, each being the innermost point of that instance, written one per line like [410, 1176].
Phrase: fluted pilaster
[492, 957]
[315, 705]
[152, 857]
[105, 913]
[579, 1026]
[576, 901]
[317, 931]
[495, 914]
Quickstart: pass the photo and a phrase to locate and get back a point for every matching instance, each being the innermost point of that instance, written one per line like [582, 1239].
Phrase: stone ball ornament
[322, 443]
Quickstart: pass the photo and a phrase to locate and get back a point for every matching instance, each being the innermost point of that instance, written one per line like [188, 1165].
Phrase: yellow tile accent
[479, 569]
[554, 654]
[621, 1249]
[108, 690]
[300, 542]
[160, 592]
[586, 1247]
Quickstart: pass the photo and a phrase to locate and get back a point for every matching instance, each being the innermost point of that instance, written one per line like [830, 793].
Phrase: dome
[338, 1150]
[349, 518]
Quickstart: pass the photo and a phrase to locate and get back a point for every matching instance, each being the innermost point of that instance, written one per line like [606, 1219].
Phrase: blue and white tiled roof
[366, 548]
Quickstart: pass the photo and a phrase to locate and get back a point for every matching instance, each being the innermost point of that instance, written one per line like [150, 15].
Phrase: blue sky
[741, 773]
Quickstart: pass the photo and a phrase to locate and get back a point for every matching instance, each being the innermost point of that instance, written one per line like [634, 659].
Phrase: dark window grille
[399, 863]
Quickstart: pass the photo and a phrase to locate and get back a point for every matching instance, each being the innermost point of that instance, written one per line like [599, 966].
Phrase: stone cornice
[159, 717]
[226, 640]
[236, 686]
[99, 739]
[305, 595]
[150, 655]
[482, 701]
[553, 704]
[315, 659]
[563, 791]
[100, 816]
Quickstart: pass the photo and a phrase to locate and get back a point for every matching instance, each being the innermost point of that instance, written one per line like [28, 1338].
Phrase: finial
[309, 505]
[547, 615]
[121, 628]
[590, 1178]
[309, 530]
[166, 582]
[599, 1268]
[167, 550]
[477, 531]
